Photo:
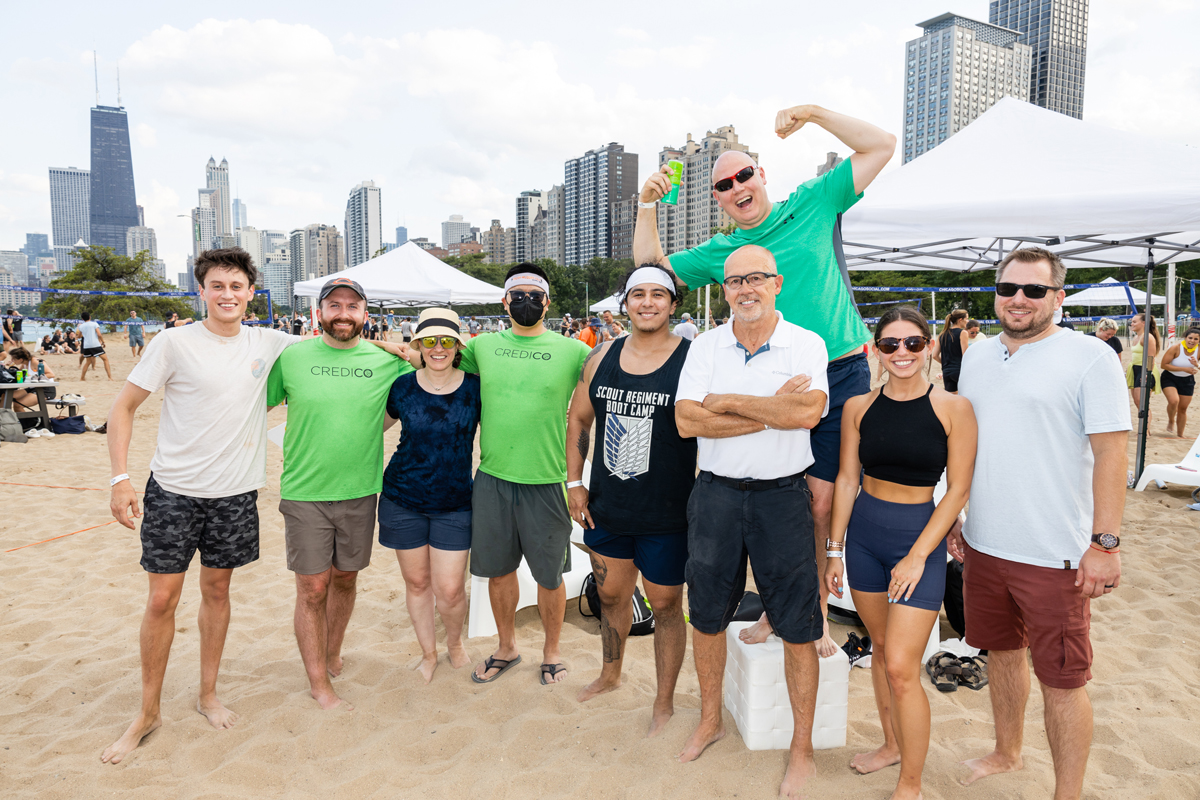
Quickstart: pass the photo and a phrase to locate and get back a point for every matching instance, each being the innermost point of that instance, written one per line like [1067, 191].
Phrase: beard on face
[327, 325]
[746, 316]
[1033, 325]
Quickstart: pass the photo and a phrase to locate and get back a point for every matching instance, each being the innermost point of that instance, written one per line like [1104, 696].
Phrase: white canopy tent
[409, 276]
[1115, 295]
[611, 303]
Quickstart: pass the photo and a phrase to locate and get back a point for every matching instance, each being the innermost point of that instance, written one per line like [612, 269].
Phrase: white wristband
[118, 479]
[653, 204]
[834, 554]
[573, 484]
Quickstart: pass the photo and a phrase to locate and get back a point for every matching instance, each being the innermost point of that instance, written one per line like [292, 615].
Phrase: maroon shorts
[1011, 606]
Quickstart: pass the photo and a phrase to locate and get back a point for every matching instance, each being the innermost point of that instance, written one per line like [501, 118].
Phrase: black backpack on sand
[643, 615]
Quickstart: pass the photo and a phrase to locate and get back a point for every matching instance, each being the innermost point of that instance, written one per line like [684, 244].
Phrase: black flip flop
[551, 670]
[972, 672]
[493, 663]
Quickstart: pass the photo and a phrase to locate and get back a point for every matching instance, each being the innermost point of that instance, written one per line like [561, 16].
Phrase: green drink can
[676, 167]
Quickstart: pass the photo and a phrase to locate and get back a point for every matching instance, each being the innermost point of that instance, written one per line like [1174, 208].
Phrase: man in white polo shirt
[750, 392]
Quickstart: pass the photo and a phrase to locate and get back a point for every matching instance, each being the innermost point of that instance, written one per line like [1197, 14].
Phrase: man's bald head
[729, 164]
[750, 258]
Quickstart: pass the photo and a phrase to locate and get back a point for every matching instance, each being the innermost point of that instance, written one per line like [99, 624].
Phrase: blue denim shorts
[403, 528]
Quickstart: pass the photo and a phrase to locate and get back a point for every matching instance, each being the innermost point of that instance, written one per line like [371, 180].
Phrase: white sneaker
[46, 433]
[32, 433]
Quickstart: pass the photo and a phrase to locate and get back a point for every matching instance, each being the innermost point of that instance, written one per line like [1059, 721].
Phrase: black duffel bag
[643, 615]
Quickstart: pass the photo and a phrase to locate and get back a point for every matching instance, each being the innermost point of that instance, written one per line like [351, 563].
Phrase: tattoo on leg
[600, 570]
[610, 640]
[584, 443]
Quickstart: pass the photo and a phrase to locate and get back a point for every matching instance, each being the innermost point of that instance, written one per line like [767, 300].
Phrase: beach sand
[69, 656]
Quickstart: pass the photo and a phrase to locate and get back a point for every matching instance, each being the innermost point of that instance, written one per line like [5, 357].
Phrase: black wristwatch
[1107, 541]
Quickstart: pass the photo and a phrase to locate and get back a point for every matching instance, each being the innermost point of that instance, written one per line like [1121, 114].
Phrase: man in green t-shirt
[518, 503]
[336, 387]
[799, 232]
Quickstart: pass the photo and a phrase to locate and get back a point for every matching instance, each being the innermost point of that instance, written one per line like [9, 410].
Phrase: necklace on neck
[435, 387]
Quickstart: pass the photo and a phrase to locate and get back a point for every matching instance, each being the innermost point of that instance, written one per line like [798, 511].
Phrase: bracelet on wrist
[830, 544]
[834, 554]
[651, 204]
[117, 479]
[1095, 546]
[573, 484]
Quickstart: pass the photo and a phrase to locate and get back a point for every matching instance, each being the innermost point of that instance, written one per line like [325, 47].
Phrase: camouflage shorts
[225, 529]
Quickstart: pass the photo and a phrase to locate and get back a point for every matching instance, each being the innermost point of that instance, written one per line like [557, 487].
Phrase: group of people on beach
[758, 444]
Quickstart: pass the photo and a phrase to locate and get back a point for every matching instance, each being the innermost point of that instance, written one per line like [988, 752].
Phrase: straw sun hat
[438, 322]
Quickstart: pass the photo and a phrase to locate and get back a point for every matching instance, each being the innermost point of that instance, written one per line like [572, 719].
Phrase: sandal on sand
[494, 663]
[972, 672]
[943, 669]
[551, 670]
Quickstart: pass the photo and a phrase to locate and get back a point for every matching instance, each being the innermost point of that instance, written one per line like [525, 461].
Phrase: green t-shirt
[526, 384]
[799, 232]
[333, 446]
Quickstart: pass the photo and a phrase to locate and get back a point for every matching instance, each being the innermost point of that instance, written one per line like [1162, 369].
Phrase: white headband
[649, 275]
[527, 278]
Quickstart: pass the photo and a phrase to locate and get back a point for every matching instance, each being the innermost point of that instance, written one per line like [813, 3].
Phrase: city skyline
[587, 93]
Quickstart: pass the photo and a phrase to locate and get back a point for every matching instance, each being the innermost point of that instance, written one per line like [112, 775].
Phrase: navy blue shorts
[402, 528]
[848, 377]
[660, 557]
[880, 534]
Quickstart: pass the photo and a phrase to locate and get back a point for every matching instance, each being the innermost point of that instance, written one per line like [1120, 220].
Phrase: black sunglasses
[725, 184]
[517, 295]
[913, 344]
[1034, 291]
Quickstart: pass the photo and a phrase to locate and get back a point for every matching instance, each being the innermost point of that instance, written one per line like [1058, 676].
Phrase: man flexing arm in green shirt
[799, 233]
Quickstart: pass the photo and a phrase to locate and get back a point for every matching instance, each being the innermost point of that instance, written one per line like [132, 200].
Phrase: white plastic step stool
[757, 697]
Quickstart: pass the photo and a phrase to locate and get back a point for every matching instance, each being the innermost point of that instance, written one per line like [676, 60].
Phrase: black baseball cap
[338, 283]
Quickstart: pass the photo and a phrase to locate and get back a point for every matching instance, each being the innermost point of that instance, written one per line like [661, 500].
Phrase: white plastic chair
[1185, 473]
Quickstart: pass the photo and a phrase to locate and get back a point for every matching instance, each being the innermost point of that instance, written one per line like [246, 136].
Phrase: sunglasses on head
[913, 344]
[1034, 291]
[431, 342]
[725, 184]
[517, 295]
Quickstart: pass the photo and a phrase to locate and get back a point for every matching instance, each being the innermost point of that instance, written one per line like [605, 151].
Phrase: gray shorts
[511, 520]
[319, 534]
[175, 526]
[136, 340]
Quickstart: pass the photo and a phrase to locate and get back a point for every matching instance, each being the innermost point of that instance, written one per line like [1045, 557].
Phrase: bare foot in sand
[659, 720]
[426, 666]
[602, 685]
[458, 655]
[990, 764]
[218, 715]
[706, 733]
[139, 729]
[756, 633]
[866, 763]
[333, 664]
[329, 700]
[800, 769]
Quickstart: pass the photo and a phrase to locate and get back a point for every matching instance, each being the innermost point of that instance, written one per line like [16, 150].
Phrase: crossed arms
[722, 416]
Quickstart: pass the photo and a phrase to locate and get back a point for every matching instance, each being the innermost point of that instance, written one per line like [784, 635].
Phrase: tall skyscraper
[36, 245]
[956, 71]
[141, 238]
[141, 216]
[239, 214]
[529, 203]
[273, 240]
[251, 240]
[697, 215]
[499, 243]
[204, 222]
[555, 222]
[455, 230]
[364, 225]
[217, 178]
[401, 235]
[591, 184]
[277, 276]
[1056, 31]
[113, 202]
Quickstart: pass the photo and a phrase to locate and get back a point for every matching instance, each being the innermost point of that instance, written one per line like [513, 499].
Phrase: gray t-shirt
[1031, 496]
[88, 331]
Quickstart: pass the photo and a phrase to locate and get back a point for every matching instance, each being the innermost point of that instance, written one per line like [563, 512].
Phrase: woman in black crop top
[950, 348]
[898, 439]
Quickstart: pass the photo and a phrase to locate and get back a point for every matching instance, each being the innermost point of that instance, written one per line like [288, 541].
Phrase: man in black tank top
[634, 514]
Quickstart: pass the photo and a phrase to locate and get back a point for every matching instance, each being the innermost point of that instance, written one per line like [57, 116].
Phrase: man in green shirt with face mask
[519, 506]
[799, 232]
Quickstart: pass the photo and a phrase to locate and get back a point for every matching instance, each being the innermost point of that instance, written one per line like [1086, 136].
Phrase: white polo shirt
[717, 364]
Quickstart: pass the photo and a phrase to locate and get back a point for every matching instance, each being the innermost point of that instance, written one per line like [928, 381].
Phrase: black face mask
[526, 312]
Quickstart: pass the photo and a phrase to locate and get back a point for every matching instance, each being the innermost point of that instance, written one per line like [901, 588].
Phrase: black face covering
[526, 312]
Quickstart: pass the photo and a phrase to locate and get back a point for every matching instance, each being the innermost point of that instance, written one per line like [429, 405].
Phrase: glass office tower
[113, 206]
[1057, 32]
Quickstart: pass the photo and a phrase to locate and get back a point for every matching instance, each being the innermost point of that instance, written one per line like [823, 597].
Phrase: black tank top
[951, 341]
[643, 470]
[902, 441]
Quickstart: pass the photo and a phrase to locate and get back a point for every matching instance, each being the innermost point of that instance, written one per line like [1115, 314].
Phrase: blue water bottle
[41, 370]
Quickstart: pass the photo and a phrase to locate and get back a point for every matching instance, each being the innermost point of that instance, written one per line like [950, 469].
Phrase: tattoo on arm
[586, 361]
[583, 443]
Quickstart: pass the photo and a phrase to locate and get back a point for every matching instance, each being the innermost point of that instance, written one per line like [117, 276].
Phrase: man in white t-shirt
[406, 328]
[1042, 534]
[209, 463]
[93, 346]
[686, 328]
[750, 392]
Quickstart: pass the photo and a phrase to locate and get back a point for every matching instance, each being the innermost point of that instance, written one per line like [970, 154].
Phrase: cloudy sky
[456, 109]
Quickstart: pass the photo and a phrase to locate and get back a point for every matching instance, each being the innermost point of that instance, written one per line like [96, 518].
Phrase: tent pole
[707, 310]
[1170, 322]
[1147, 363]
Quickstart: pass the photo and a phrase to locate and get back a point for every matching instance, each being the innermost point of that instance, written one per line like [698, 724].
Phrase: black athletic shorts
[174, 526]
[1184, 384]
[771, 527]
[92, 352]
